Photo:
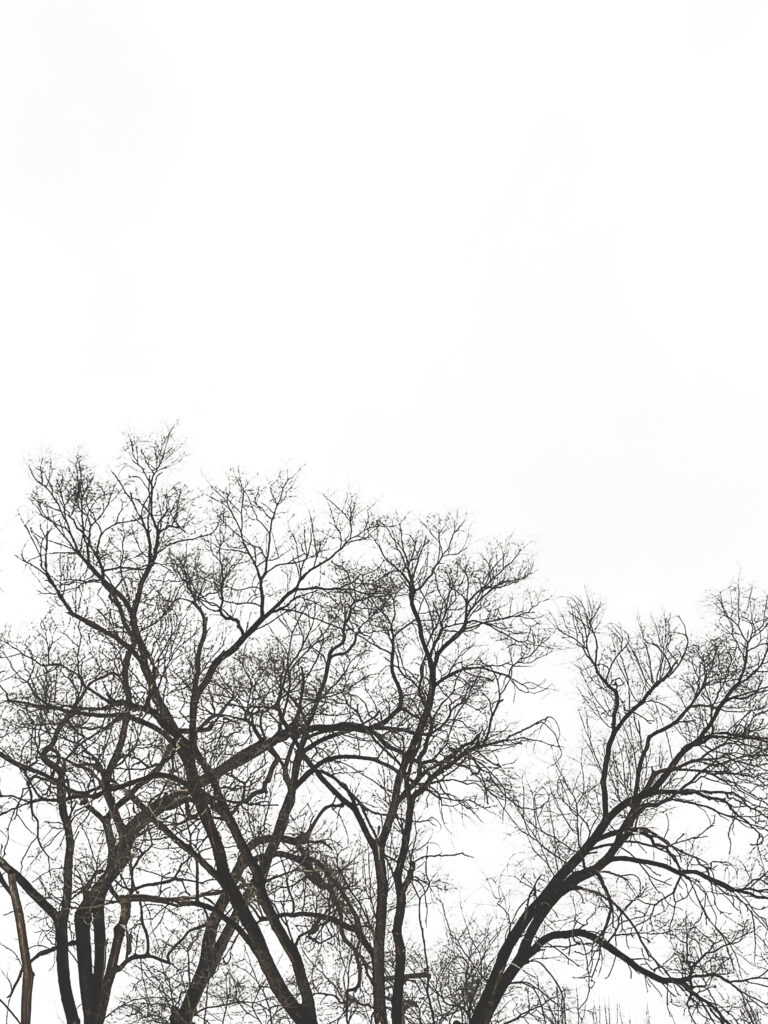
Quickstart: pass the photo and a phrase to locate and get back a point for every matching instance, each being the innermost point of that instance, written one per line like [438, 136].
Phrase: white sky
[509, 257]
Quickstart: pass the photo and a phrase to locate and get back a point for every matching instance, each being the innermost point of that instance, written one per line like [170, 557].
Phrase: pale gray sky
[506, 256]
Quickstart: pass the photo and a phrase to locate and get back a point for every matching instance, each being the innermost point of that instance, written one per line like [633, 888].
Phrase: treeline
[234, 750]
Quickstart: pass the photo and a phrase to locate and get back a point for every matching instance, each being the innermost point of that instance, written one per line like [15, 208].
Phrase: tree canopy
[239, 750]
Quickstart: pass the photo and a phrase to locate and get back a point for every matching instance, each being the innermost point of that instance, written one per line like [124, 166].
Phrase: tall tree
[238, 747]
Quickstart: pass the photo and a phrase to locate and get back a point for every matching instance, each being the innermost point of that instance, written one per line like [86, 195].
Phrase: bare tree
[452, 626]
[66, 847]
[238, 743]
[161, 591]
[636, 842]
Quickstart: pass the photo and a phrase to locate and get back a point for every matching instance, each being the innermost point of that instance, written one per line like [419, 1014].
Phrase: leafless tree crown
[239, 747]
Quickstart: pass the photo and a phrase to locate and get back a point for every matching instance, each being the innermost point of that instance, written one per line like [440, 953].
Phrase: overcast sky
[509, 257]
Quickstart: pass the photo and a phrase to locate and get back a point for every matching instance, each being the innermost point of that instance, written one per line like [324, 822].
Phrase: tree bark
[27, 974]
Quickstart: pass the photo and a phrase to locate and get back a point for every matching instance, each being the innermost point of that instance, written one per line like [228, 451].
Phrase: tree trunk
[27, 974]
